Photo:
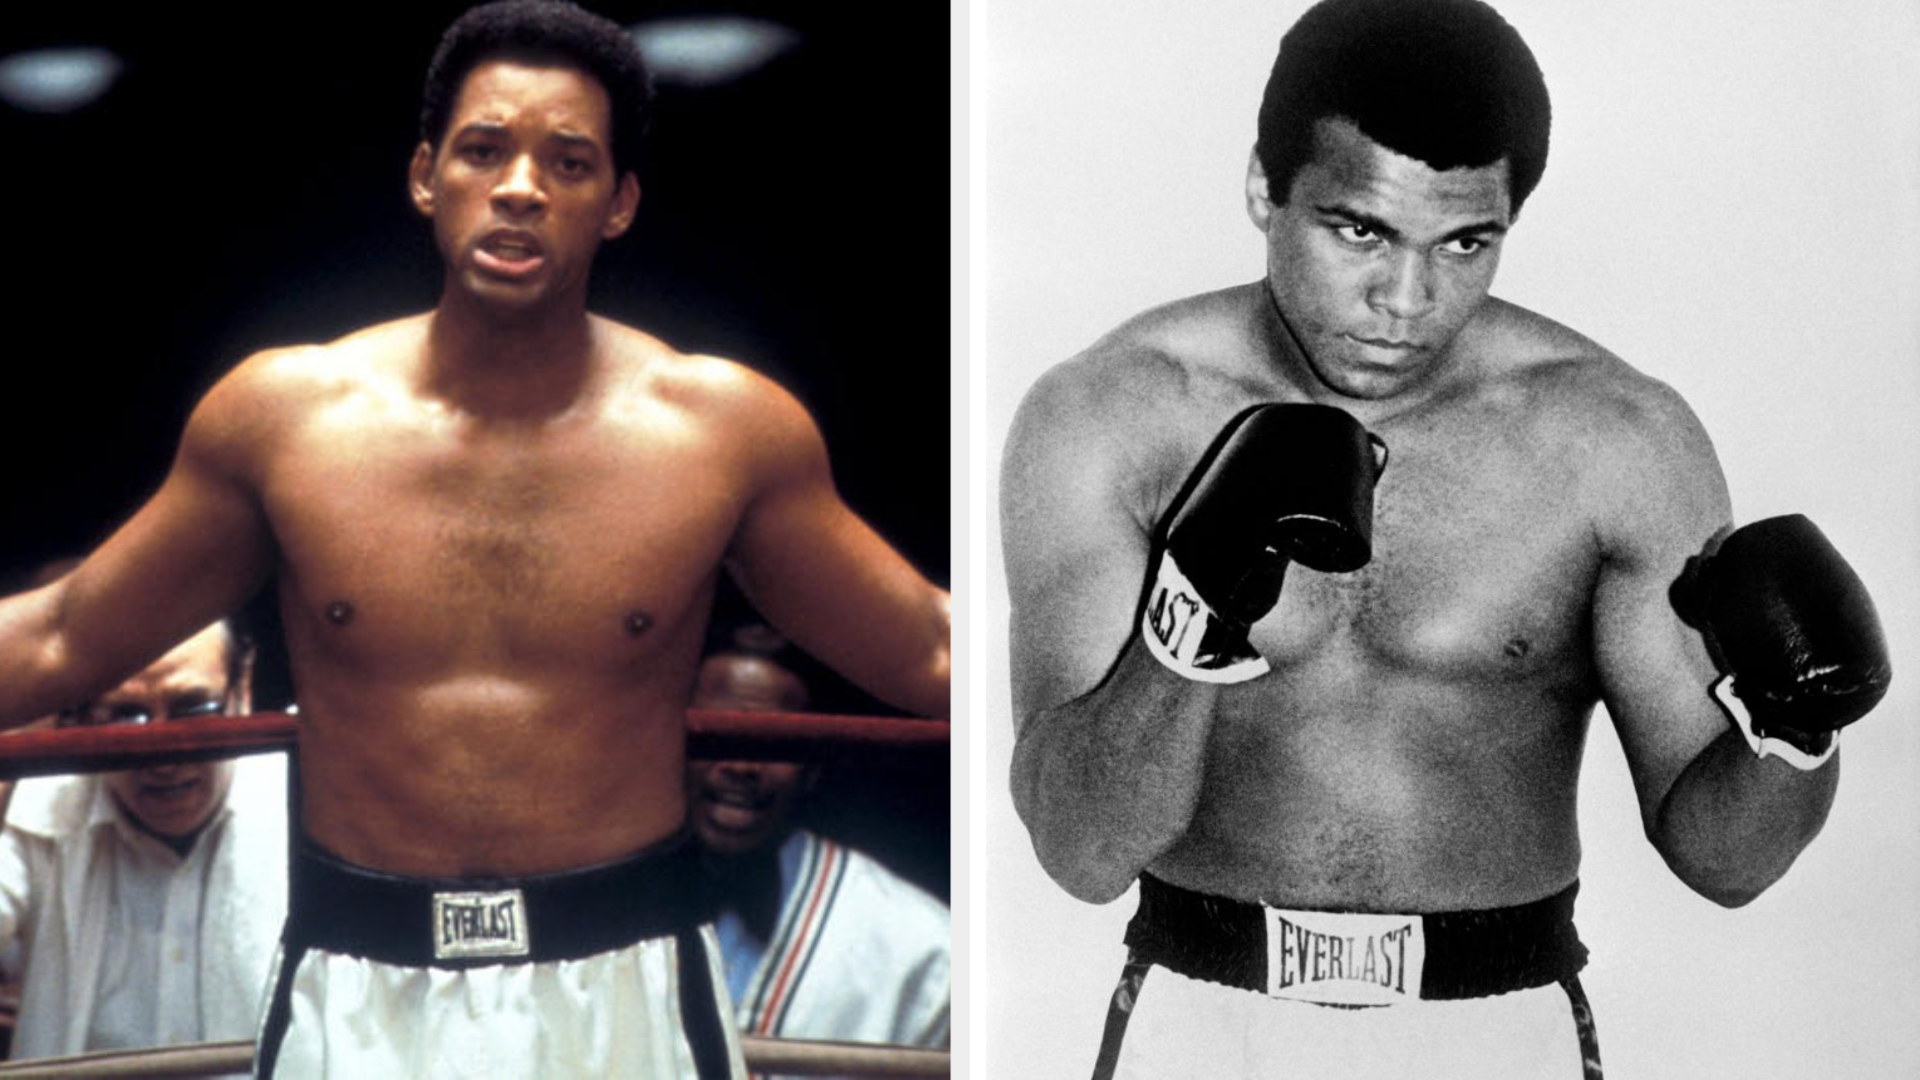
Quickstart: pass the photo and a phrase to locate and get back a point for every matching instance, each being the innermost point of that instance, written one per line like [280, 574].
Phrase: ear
[1259, 206]
[626, 203]
[420, 179]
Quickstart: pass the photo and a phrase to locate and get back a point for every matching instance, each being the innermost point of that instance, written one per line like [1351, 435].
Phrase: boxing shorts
[606, 971]
[1222, 988]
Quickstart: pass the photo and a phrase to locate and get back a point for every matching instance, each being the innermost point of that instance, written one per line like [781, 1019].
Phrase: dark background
[242, 185]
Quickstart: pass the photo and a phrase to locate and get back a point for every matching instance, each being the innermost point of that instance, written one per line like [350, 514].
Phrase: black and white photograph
[1449, 617]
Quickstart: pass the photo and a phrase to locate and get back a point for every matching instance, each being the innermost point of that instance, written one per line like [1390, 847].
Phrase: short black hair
[1448, 82]
[544, 32]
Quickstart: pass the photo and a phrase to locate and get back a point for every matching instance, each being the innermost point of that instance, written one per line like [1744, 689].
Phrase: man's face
[522, 189]
[1377, 261]
[738, 806]
[175, 800]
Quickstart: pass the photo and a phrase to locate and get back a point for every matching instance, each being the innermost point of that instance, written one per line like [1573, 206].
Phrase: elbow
[1091, 888]
[1072, 855]
[931, 694]
[1080, 871]
[937, 700]
[1725, 890]
[1727, 894]
[1729, 879]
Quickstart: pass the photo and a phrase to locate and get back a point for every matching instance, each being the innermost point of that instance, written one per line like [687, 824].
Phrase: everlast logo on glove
[1184, 634]
[1248, 517]
[468, 925]
[1344, 959]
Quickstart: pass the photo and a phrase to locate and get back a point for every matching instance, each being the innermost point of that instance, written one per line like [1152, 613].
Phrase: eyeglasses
[106, 714]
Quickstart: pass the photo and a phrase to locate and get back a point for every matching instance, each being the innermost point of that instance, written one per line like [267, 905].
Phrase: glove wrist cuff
[1183, 632]
[1768, 745]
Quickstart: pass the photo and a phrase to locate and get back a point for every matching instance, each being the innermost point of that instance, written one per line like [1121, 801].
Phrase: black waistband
[1469, 953]
[343, 908]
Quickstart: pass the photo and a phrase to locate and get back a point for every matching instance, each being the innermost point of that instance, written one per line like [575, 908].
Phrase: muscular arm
[824, 578]
[1729, 824]
[1111, 745]
[193, 553]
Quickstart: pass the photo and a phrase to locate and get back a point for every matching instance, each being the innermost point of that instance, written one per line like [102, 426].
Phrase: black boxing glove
[1793, 632]
[1291, 483]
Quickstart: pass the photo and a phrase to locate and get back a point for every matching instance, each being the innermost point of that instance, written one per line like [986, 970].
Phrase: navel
[339, 613]
[1518, 648]
[638, 622]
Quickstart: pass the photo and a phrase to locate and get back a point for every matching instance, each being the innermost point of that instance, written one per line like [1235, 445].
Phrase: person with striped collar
[817, 940]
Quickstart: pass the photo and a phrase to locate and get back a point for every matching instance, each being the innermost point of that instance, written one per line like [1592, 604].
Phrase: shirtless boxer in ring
[1333, 726]
[497, 529]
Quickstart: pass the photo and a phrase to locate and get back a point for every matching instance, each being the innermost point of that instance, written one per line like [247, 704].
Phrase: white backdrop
[1732, 204]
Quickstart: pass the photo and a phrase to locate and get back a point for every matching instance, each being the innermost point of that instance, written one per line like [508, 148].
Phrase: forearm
[1108, 781]
[33, 658]
[1732, 823]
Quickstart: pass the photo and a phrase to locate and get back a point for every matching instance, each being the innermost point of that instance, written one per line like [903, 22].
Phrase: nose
[520, 189]
[1404, 289]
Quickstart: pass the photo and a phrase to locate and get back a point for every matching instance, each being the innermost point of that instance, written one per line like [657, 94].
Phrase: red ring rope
[800, 1057]
[711, 733]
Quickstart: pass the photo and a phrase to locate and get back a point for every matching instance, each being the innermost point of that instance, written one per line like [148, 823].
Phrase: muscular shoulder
[1581, 391]
[1641, 449]
[1179, 355]
[720, 401]
[1130, 413]
[271, 392]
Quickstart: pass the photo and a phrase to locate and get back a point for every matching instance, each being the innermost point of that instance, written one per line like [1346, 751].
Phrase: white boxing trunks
[1221, 988]
[608, 971]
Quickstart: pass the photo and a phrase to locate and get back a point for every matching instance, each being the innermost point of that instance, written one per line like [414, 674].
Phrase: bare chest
[435, 539]
[1483, 569]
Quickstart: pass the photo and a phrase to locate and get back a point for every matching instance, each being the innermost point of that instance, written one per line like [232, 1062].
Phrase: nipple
[638, 622]
[339, 613]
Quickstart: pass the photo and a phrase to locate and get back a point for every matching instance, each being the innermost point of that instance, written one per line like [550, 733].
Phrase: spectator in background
[146, 903]
[819, 941]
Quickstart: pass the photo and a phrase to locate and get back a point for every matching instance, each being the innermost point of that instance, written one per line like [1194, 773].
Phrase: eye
[1355, 233]
[192, 707]
[479, 153]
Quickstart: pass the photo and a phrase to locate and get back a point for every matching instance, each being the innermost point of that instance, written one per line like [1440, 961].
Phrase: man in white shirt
[819, 941]
[146, 903]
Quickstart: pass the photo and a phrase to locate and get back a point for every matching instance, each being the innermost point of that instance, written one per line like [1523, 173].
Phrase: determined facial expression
[1377, 260]
[522, 189]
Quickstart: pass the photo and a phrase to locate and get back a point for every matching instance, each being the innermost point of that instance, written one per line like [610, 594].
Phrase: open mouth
[509, 254]
[736, 809]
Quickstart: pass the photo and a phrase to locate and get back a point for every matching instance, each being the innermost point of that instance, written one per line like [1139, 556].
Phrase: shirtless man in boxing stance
[496, 529]
[1334, 726]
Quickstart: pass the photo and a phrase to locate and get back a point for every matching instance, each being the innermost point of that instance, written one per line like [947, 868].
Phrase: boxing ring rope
[716, 734]
[797, 1057]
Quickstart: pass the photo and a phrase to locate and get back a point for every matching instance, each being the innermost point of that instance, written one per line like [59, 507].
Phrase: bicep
[1654, 669]
[194, 552]
[1076, 558]
[827, 580]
